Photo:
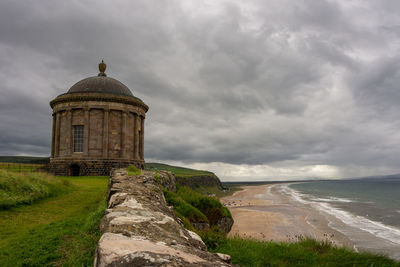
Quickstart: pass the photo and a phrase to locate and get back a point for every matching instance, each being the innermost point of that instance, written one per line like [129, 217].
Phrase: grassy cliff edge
[249, 252]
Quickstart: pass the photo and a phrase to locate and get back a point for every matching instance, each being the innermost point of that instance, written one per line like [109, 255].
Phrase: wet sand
[263, 213]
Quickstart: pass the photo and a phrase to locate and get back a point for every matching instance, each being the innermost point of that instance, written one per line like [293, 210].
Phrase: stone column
[105, 133]
[123, 135]
[141, 137]
[69, 146]
[57, 138]
[53, 135]
[86, 132]
[135, 137]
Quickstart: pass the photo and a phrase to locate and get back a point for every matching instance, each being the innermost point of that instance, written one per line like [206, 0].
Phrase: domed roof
[100, 84]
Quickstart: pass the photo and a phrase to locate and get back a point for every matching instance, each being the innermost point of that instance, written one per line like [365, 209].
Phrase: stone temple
[98, 125]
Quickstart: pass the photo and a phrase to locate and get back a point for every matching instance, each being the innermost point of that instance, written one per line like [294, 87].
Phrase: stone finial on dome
[102, 68]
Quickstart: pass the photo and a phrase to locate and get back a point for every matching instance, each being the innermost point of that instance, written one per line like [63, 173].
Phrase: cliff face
[139, 229]
[223, 222]
[200, 180]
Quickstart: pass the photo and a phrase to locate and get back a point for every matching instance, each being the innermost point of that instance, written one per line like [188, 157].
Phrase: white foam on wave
[333, 199]
[293, 194]
[375, 228]
[268, 192]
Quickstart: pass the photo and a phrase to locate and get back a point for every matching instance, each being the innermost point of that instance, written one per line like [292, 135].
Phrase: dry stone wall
[139, 229]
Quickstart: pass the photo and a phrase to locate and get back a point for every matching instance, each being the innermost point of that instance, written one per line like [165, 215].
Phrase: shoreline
[263, 213]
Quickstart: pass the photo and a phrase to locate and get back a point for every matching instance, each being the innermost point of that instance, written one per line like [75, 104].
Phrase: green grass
[25, 159]
[26, 188]
[307, 252]
[56, 231]
[193, 207]
[20, 167]
[178, 171]
[186, 212]
[63, 230]
[132, 170]
[210, 206]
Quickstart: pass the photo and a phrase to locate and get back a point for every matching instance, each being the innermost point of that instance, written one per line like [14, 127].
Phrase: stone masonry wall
[139, 229]
[90, 167]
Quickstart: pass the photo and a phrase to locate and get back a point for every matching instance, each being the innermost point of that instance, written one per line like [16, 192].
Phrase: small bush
[132, 170]
[157, 178]
[211, 207]
[184, 209]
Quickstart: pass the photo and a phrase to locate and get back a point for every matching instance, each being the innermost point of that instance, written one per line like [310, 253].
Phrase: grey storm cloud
[279, 83]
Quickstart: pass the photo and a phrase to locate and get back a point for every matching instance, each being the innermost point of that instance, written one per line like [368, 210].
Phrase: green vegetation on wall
[132, 170]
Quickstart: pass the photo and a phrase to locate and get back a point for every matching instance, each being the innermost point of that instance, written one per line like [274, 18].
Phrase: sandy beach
[263, 213]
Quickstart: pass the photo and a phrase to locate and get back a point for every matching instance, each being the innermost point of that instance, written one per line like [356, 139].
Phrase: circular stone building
[97, 125]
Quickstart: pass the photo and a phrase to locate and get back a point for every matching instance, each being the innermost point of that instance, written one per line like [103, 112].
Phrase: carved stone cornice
[80, 97]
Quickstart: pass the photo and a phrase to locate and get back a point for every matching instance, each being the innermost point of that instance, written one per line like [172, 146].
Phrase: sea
[366, 210]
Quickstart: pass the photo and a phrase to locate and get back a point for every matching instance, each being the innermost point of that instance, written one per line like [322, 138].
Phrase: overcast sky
[251, 90]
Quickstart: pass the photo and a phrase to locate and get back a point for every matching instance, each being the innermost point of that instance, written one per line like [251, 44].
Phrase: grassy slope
[26, 188]
[193, 207]
[304, 253]
[186, 173]
[20, 167]
[24, 159]
[178, 171]
[61, 230]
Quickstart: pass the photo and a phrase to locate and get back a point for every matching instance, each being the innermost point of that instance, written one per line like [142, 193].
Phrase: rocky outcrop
[166, 180]
[139, 229]
[225, 224]
[201, 180]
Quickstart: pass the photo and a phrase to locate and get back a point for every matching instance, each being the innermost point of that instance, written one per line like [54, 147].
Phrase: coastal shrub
[213, 238]
[157, 178]
[209, 206]
[28, 187]
[133, 170]
[184, 209]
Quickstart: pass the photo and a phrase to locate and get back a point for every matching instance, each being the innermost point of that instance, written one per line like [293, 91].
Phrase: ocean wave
[333, 199]
[375, 228]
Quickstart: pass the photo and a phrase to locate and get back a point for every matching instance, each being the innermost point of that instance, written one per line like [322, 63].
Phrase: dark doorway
[74, 170]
